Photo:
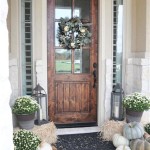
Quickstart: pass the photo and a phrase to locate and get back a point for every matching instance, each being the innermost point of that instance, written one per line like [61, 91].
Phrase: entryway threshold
[79, 130]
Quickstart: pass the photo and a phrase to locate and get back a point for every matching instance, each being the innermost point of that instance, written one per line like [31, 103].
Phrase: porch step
[65, 131]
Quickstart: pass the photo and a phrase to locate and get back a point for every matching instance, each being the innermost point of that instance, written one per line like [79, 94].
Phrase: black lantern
[40, 95]
[117, 111]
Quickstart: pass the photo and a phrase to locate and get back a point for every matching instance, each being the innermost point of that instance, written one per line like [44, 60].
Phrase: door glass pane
[82, 61]
[56, 39]
[82, 9]
[63, 9]
[63, 61]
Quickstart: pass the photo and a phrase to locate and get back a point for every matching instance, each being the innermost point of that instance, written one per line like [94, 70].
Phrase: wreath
[72, 34]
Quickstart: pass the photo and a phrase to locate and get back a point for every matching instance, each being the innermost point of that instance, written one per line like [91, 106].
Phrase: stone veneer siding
[14, 81]
[108, 88]
[13, 76]
[138, 79]
[41, 80]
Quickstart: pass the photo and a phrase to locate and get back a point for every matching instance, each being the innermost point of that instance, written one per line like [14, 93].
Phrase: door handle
[94, 74]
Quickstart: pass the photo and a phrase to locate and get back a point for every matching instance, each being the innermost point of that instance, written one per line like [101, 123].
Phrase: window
[73, 61]
[26, 47]
[117, 40]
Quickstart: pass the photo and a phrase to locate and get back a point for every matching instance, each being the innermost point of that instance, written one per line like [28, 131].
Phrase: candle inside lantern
[41, 114]
[116, 112]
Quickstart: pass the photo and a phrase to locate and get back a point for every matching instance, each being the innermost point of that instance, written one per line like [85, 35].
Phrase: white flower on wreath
[73, 44]
[66, 28]
[82, 30]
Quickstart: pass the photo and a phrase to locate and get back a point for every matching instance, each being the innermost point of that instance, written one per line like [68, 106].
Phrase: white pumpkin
[44, 146]
[123, 147]
[119, 140]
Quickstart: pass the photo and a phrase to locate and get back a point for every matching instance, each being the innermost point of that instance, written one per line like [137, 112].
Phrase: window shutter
[117, 40]
[26, 47]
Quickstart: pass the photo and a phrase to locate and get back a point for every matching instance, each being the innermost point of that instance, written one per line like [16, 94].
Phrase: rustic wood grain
[71, 97]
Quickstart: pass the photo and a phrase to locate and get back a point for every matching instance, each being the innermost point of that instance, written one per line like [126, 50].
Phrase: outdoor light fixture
[117, 111]
[40, 95]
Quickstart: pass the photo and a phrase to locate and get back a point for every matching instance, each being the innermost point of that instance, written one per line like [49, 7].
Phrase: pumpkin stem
[131, 125]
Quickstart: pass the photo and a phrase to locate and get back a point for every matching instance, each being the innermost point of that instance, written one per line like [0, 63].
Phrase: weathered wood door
[72, 91]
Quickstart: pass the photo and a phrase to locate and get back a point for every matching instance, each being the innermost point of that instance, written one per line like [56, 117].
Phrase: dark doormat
[89, 141]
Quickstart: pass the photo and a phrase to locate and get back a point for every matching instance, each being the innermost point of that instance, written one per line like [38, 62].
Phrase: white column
[6, 128]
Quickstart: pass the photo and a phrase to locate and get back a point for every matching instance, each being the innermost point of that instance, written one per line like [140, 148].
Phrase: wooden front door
[72, 91]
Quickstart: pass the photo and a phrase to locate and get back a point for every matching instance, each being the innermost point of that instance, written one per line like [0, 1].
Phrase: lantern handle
[118, 86]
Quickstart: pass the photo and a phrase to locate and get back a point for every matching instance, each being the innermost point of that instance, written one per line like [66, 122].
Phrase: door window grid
[71, 10]
[117, 40]
[26, 47]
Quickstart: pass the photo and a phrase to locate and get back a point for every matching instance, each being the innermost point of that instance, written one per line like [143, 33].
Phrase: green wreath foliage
[72, 34]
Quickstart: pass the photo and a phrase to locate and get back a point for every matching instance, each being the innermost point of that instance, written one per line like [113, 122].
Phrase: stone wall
[138, 79]
[41, 80]
[13, 77]
[108, 88]
[14, 81]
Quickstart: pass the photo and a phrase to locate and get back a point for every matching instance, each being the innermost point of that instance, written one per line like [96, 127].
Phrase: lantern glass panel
[117, 111]
[116, 105]
[40, 95]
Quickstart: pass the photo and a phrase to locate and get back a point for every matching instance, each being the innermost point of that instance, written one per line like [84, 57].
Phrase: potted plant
[25, 140]
[135, 104]
[25, 108]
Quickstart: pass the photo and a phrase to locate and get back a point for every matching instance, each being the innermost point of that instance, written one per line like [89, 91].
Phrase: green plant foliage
[136, 102]
[147, 128]
[72, 34]
[25, 140]
[25, 105]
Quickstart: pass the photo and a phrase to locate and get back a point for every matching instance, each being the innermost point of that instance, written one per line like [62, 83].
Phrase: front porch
[135, 58]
